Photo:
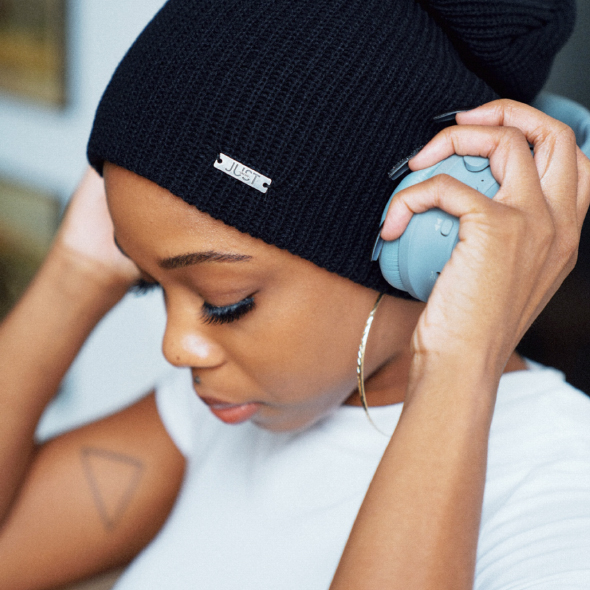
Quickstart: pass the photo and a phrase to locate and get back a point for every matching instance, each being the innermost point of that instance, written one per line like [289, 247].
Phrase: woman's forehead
[147, 215]
[159, 230]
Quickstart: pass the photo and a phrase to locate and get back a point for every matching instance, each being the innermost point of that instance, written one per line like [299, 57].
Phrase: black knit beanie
[316, 100]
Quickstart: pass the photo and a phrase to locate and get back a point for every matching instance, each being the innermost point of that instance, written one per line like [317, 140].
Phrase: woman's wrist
[469, 378]
[83, 281]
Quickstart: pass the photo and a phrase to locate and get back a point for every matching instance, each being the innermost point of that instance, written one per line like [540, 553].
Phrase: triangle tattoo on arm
[113, 480]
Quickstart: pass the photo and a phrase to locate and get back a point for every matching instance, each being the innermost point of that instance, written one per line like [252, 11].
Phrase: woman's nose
[186, 342]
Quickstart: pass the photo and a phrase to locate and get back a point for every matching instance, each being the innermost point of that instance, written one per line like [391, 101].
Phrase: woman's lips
[231, 413]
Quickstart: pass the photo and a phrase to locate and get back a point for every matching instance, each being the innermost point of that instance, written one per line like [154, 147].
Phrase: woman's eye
[212, 314]
[227, 313]
[141, 287]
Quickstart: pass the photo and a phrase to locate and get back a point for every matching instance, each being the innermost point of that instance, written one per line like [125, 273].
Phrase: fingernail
[402, 166]
[448, 116]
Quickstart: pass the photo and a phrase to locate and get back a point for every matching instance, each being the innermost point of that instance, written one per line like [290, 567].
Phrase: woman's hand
[515, 250]
[87, 232]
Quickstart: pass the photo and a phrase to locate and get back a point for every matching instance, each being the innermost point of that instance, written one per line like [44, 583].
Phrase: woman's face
[267, 335]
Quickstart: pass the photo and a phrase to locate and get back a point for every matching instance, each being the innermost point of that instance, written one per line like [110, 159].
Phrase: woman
[266, 272]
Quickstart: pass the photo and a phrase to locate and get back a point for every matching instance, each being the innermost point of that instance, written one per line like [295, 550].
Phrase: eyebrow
[198, 257]
[194, 258]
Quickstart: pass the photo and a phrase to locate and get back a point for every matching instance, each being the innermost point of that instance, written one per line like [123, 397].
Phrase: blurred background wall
[42, 153]
[42, 156]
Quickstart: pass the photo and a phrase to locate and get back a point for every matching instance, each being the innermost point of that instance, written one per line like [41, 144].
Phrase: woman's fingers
[537, 127]
[514, 250]
[511, 164]
[554, 145]
[442, 191]
[507, 149]
[557, 159]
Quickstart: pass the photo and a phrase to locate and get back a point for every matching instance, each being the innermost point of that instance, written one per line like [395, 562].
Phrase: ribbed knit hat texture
[322, 97]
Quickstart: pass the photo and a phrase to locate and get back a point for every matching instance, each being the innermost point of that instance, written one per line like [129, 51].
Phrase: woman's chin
[286, 422]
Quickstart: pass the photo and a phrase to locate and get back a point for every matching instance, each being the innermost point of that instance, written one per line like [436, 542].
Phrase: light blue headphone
[413, 262]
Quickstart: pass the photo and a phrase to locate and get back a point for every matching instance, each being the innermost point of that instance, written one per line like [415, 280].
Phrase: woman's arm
[419, 523]
[38, 342]
[82, 278]
[92, 498]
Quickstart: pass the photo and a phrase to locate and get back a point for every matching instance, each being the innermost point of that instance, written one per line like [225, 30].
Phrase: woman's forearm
[38, 341]
[418, 525]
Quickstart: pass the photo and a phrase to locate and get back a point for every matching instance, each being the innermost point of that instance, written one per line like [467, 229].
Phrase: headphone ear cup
[425, 247]
[413, 262]
[389, 263]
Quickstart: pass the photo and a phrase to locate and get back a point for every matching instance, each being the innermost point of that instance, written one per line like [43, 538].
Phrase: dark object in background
[561, 335]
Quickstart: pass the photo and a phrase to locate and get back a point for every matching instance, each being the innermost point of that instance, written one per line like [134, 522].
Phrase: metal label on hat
[242, 173]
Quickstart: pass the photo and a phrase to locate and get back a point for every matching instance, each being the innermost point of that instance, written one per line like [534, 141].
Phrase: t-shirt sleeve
[535, 532]
[182, 413]
[541, 538]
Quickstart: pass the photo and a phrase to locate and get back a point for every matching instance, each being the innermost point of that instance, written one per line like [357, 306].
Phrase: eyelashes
[141, 287]
[212, 314]
[227, 313]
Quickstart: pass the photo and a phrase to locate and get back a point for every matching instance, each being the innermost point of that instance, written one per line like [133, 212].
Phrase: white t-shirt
[272, 511]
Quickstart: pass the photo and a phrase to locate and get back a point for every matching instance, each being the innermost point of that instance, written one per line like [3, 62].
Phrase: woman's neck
[387, 385]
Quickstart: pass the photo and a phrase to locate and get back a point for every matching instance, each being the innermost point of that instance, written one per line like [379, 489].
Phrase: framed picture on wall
[28, 222]
[33, 49]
